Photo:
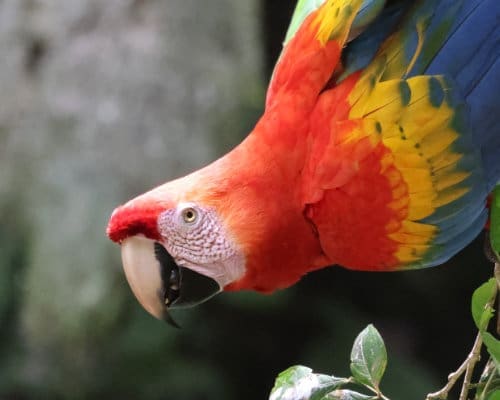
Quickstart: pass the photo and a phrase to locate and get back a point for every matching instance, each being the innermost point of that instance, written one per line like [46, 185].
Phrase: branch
[471, 361]
[452, 378]
[475, 354]
[488, 375]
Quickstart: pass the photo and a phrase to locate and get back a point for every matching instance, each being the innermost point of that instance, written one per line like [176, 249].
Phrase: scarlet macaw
[377, 149]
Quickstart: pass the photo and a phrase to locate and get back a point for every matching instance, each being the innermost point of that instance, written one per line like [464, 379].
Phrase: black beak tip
[169, 320]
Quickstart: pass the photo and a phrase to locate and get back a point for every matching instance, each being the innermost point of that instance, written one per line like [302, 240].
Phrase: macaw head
[176, 249]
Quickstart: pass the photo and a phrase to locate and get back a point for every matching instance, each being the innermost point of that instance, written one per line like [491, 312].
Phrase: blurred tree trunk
[102, 100]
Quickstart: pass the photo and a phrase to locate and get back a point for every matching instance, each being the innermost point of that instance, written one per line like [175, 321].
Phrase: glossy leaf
[300, 383]
[368, 358]
[481, 310]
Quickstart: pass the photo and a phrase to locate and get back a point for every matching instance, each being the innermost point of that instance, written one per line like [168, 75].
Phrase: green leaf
[494, 395]
[368, 358]
[493, 347]
[291, 375]
[345, 394]
[495, 221]
[300, 383]
[481, 310]
[327, 384]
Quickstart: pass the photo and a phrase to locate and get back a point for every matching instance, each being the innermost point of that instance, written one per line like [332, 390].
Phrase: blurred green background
[102, 100]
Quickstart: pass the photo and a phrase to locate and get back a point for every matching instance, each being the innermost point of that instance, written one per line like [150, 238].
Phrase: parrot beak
[158, 283]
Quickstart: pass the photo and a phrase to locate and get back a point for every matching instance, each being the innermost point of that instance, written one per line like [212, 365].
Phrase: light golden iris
[189, 215]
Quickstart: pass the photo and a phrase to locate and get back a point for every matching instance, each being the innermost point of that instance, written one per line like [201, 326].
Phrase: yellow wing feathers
[414, 120]
[334, 19]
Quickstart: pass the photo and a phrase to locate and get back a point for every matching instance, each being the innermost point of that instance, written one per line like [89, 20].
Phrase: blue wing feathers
[470, 57]
[484, 101]
[468, 54]
[441, 253]
[360, 51]
[462, 42]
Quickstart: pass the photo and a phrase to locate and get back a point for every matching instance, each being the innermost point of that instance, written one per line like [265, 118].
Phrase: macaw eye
[189, 215]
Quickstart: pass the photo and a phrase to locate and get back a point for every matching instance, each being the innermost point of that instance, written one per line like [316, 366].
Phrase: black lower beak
[181, 286]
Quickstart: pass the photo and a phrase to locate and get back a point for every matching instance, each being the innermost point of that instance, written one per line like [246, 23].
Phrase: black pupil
[189, 214]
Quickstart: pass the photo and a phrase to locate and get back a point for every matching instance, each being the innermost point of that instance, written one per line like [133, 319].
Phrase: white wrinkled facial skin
[197, 240]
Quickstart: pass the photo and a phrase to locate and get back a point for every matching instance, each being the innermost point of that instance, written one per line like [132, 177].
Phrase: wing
[401, 163]
[365, 15]
[313, 46]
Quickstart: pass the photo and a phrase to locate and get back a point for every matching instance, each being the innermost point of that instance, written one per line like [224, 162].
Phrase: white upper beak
[142, 270]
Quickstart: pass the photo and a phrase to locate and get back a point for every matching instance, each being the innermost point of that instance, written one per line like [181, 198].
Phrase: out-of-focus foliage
[102, 100]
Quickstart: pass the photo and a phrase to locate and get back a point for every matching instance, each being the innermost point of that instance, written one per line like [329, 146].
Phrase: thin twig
[452, 379]
[467, 367]
[472, 360]
[377, 391]
[489, 371]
